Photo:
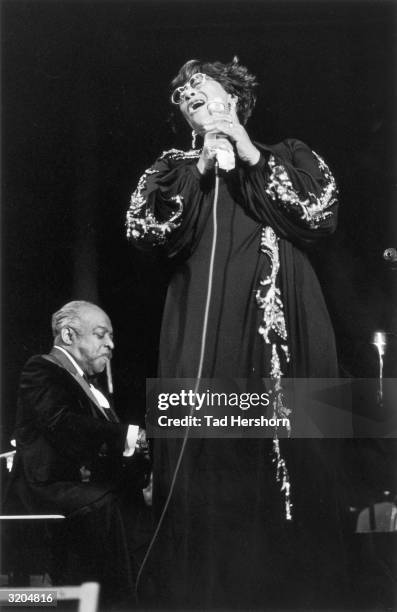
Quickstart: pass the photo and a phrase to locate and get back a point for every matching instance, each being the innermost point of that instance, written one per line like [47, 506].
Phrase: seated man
[71, 450]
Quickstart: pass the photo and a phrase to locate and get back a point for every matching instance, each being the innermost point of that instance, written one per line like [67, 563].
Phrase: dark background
[85, 111]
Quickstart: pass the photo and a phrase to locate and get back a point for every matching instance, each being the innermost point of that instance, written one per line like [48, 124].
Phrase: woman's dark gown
[225, 541]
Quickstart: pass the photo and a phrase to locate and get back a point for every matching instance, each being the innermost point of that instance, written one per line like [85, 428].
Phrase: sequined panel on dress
[315, 209]
[141, 222]
[274, 332]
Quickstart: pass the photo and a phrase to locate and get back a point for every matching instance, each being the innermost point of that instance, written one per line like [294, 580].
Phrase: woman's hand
[230, 126]
[208, 154]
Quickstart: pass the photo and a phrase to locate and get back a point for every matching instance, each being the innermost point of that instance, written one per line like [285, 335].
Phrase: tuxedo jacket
[60, 428]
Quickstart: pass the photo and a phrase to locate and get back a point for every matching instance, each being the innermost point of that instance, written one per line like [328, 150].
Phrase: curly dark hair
[234, 78]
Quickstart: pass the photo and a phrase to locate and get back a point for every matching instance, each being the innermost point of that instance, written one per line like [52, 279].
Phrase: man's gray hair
[69, 316]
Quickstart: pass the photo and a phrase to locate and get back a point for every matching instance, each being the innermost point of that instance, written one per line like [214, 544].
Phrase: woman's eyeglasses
[195, 81]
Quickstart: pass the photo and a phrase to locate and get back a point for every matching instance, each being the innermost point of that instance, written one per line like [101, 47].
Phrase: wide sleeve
[165, 205]
[292, 189]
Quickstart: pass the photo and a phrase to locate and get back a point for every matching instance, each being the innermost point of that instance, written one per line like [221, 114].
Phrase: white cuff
[130, 442]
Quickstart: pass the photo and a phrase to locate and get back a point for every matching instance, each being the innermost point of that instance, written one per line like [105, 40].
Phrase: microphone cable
[198, 377]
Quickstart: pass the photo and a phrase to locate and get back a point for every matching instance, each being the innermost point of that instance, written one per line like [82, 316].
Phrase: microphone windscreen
[216, 106]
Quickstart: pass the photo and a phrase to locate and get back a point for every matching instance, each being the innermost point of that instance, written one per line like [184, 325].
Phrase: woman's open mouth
[195, 104]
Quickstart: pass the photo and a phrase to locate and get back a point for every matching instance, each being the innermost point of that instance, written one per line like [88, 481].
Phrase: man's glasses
[195, 81]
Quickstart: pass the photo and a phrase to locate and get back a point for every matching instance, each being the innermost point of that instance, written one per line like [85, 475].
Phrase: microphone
[226, 160]
[390, 255]
[216, 106]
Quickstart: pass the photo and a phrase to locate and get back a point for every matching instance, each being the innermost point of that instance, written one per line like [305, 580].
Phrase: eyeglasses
[195, 81]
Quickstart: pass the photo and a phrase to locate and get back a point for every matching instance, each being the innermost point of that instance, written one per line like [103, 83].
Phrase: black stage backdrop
[85, 111]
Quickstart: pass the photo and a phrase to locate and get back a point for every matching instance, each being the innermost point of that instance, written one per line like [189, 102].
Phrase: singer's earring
[194, 136]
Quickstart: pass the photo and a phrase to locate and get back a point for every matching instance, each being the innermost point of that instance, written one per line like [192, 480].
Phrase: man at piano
[74, 456]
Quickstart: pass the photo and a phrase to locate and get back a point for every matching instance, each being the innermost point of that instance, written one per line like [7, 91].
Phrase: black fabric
[244, 208]
[225, 542]
[91, 545]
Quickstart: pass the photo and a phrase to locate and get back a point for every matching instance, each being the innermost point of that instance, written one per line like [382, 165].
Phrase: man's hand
[136, 441]
[142, 446]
